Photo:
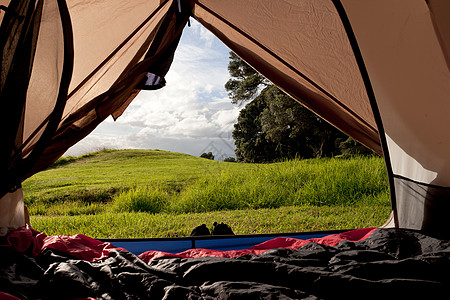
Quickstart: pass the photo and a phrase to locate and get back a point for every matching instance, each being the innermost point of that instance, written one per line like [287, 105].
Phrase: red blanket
[26, 239]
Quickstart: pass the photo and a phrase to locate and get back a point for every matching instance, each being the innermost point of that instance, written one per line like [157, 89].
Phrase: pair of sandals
[217, 229]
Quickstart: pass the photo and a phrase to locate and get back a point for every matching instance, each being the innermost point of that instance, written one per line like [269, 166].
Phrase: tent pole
[373, 103]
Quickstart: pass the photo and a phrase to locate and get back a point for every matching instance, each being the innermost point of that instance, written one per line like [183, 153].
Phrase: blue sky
[192, 114]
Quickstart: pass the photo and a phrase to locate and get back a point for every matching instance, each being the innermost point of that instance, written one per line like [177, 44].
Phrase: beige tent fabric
[407, 65]
[12, 211]
[439, 10]
[302, 47]
[111, 38]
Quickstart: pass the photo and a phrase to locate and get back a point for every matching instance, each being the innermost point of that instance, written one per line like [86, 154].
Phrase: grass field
[152, 193]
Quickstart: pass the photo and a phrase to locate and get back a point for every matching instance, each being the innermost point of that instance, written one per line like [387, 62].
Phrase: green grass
[151, 193]
[296, 182]
[249, 221]
[108, 172]
[148, 200]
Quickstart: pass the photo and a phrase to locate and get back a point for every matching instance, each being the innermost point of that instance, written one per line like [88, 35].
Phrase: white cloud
[191, 114]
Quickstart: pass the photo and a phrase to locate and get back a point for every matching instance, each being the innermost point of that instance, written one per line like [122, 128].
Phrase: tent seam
[372, 99]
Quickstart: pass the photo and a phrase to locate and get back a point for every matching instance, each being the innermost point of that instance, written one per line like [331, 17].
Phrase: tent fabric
[376, 264]
[377, 70]
[36, 56]
[405, 57]
[28, 33]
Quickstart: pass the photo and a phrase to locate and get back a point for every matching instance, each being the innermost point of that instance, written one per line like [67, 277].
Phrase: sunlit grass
[70, 208]
[152, 200]
[111, 171]
[249, 221]
[295, 182]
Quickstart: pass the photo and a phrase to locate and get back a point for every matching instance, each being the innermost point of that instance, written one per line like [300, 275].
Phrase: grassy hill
[152, 193]
[110, 170]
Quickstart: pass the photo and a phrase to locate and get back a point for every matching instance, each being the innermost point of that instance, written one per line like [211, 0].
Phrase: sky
[192, 114]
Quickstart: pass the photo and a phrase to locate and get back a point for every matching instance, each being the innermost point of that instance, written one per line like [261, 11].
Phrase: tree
[274, 126]
[208, 155]
[245, 82]
[250, 140]
[286, 124]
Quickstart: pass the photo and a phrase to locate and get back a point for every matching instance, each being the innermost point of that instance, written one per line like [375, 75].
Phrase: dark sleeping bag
[382, 263]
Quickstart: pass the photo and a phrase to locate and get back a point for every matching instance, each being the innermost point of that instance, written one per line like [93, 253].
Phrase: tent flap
[408, 71]
[36, 53]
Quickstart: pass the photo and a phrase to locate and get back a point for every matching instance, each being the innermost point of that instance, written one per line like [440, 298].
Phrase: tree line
[272, 126]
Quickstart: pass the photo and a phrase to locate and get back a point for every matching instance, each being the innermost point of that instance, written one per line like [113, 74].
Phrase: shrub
[208, 155]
